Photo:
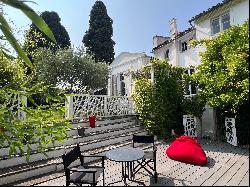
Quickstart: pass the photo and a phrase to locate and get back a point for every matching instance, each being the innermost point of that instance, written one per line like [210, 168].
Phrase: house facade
[207, 24]
[120, 80]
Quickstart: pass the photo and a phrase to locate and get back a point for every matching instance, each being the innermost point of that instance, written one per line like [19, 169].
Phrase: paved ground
[227, 165]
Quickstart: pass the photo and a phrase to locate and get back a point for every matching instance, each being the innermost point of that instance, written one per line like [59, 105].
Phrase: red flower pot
[92, 120]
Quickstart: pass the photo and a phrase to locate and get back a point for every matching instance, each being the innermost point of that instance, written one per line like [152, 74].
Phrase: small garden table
[126, 156]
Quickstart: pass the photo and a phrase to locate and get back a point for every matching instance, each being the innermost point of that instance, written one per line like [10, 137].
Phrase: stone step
[90, 133]
[39, 168]
[94, 142]
[99, 124]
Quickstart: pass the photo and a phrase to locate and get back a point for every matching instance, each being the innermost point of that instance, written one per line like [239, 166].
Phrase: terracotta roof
[210, 10]
[180, 34]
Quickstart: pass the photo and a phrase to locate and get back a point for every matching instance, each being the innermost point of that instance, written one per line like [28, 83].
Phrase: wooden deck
[227, 166]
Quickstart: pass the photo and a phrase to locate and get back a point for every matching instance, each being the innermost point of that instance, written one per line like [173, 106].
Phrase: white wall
[176, 57]
[240, 12]
[189, 58]
[126, 63]
[160, 53]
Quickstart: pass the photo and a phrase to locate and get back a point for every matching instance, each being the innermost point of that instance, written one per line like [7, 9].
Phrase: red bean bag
[188, 150]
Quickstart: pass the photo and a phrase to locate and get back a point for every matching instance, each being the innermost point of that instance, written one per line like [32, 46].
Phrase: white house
[204, 25]
[120, 81]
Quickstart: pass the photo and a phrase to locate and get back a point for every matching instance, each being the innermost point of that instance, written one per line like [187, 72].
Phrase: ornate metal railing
[78, 106]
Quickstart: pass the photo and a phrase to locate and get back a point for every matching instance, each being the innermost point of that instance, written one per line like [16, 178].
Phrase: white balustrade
[78, 106]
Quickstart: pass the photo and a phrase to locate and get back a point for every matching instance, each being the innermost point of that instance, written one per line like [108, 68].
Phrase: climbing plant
[160, 104]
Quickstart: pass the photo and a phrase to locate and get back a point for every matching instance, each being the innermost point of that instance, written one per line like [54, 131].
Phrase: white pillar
[110, 85]
[69, 107]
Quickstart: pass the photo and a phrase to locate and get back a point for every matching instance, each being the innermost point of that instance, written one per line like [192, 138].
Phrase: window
[220, 24]
[122, 85]
[183, 46]
[225, 21]
[190, 89]
[167, 54]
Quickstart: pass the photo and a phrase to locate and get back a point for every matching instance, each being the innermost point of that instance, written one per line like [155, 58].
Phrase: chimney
[173, 28]
[157, 40]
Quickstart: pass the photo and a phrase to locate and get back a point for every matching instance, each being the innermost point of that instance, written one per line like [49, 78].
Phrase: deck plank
[245, 180]
[190, 174]
[209, 171]
[236, 179]
[231, 172]
[197, 176]
[223, 169]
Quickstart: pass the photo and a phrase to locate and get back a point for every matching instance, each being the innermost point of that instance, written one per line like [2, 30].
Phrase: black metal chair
[149, 161]
[83, 174]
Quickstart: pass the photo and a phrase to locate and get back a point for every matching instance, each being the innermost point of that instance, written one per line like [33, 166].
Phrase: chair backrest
[143, 139]
[71, 156]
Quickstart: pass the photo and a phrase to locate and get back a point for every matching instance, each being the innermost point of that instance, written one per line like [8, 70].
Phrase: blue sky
[135, 21]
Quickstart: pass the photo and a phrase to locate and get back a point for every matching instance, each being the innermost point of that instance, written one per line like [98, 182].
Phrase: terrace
[227, 164]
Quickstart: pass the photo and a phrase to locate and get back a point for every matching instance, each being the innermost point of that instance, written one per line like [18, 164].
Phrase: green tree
[35, 38]
[223, 75]
[223, 78]
[72, 71]
[7, 31]
[98, 39]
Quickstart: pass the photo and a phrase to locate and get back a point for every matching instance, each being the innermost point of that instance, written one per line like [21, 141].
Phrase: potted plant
[81, 131]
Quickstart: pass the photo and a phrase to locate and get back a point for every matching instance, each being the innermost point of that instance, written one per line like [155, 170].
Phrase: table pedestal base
[127, 174]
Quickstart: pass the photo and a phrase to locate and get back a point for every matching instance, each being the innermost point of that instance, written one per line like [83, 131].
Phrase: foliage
[42, 126]
[159, 105]
[98, 39]
[223, 75]
[72, 71]
[35, 38]
[11, 73]
[194, 105]
[7, 31]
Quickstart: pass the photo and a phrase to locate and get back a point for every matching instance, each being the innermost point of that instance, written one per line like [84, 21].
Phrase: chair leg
[67, 183]
[103, 180]
[156, 177]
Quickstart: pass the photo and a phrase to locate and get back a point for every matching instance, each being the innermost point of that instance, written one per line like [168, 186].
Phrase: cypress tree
[98, 39]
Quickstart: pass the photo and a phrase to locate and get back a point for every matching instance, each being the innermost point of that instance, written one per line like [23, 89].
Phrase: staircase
[109, 132]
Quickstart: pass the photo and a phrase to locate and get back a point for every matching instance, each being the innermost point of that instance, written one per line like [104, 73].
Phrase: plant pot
[81, 131]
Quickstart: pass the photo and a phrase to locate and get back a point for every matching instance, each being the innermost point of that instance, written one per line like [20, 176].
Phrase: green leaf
[8, 34]
[29, 12]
